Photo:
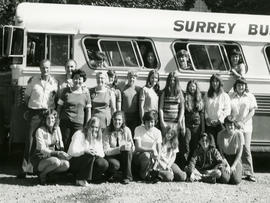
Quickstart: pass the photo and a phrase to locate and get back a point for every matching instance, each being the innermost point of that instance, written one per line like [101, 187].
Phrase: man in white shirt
[40, 95]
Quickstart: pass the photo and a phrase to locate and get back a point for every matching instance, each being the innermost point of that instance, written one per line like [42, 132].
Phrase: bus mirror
[12, 44]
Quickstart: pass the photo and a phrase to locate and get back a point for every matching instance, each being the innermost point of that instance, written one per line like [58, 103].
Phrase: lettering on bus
[258, 29]
[204, 27]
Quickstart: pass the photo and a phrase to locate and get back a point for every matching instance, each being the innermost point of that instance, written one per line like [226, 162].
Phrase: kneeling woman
[86, 148]
[49, 156]
[148, 141]
[118, 147]
[206, 164]
[230, 143]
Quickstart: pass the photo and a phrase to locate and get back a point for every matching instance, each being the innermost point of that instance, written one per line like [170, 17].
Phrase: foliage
[239, 6]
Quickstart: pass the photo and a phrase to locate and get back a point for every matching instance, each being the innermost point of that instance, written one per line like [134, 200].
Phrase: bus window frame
[266, 57]
[48, 41]
[240, 49]
[47, 46]
[10, 41]
[132, 41]
[120, 51]
[225, 55]
[209, 58]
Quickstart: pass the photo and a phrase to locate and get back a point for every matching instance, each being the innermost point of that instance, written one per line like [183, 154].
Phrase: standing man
[40, 95]
[70, 66]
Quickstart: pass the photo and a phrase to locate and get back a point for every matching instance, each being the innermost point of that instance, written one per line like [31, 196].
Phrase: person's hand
[155, 154]
[228, 169]
[233, 168]
[63, 155]
[208, 121]
[214, 123]
[91, 151]
[126, 147]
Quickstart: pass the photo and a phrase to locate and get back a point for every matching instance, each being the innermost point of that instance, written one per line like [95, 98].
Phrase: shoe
[82, 183]
[209, 179]
[250, 178]
[42, 179]
[21, 175]
[125, 181]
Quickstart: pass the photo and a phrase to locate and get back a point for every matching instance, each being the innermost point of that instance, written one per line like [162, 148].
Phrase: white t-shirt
[149, 138]
[241, 106]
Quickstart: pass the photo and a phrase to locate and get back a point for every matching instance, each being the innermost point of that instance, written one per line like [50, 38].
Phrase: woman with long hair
[194, 113]
[149, 95]
[164, 168]
[243, 109]
[171, 111]
[86, 148]
[118, 147]
[48, 155]
[217, 106]
[238, 68]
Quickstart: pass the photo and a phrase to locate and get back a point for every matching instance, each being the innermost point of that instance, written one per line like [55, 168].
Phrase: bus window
[59, 49]
[17, 45]
[267, 54]
[146, 48]
[231, 49]
[207, 57]
[119, 53]
[182, 56]
[35, 49]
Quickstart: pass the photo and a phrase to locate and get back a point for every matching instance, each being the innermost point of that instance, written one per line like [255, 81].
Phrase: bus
[59, 32]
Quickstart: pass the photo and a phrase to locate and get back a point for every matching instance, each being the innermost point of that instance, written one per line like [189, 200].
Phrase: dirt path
[28, 190]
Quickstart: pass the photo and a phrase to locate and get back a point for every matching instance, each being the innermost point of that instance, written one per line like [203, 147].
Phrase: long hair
[148, 82]
[211, 90]
[44, 118]
[173, 140]
[175, 90]
[117, 113]
[88, 126]
[238, 53]
[196, 98]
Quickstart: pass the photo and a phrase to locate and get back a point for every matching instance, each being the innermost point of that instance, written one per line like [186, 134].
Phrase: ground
[28, 190]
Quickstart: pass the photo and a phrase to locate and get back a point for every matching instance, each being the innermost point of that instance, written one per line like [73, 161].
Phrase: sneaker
[82, 183]
[21, 175]
[250, 178]
[209, 179]
[125, 181]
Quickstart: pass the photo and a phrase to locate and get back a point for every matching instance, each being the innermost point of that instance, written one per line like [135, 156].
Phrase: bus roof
[131, 22]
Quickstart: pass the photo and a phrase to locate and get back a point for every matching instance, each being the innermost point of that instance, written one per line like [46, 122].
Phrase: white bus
[59, 32]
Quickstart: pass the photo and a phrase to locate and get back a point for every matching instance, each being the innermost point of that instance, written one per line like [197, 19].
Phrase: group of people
[107, 133]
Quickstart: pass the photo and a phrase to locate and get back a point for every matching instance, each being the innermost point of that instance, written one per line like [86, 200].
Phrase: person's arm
[87, 110]
[161, 113]
[76, 147]
[234, 72]
[118, 99]
[112, 102]
[108, 150]
[182, 111]
[41, 144]
[141, 104]
[28, 91]
[225, 108]
[239, 151]
[140, 148]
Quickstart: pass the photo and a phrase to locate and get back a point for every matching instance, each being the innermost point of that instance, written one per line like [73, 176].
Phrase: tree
[239, 6]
